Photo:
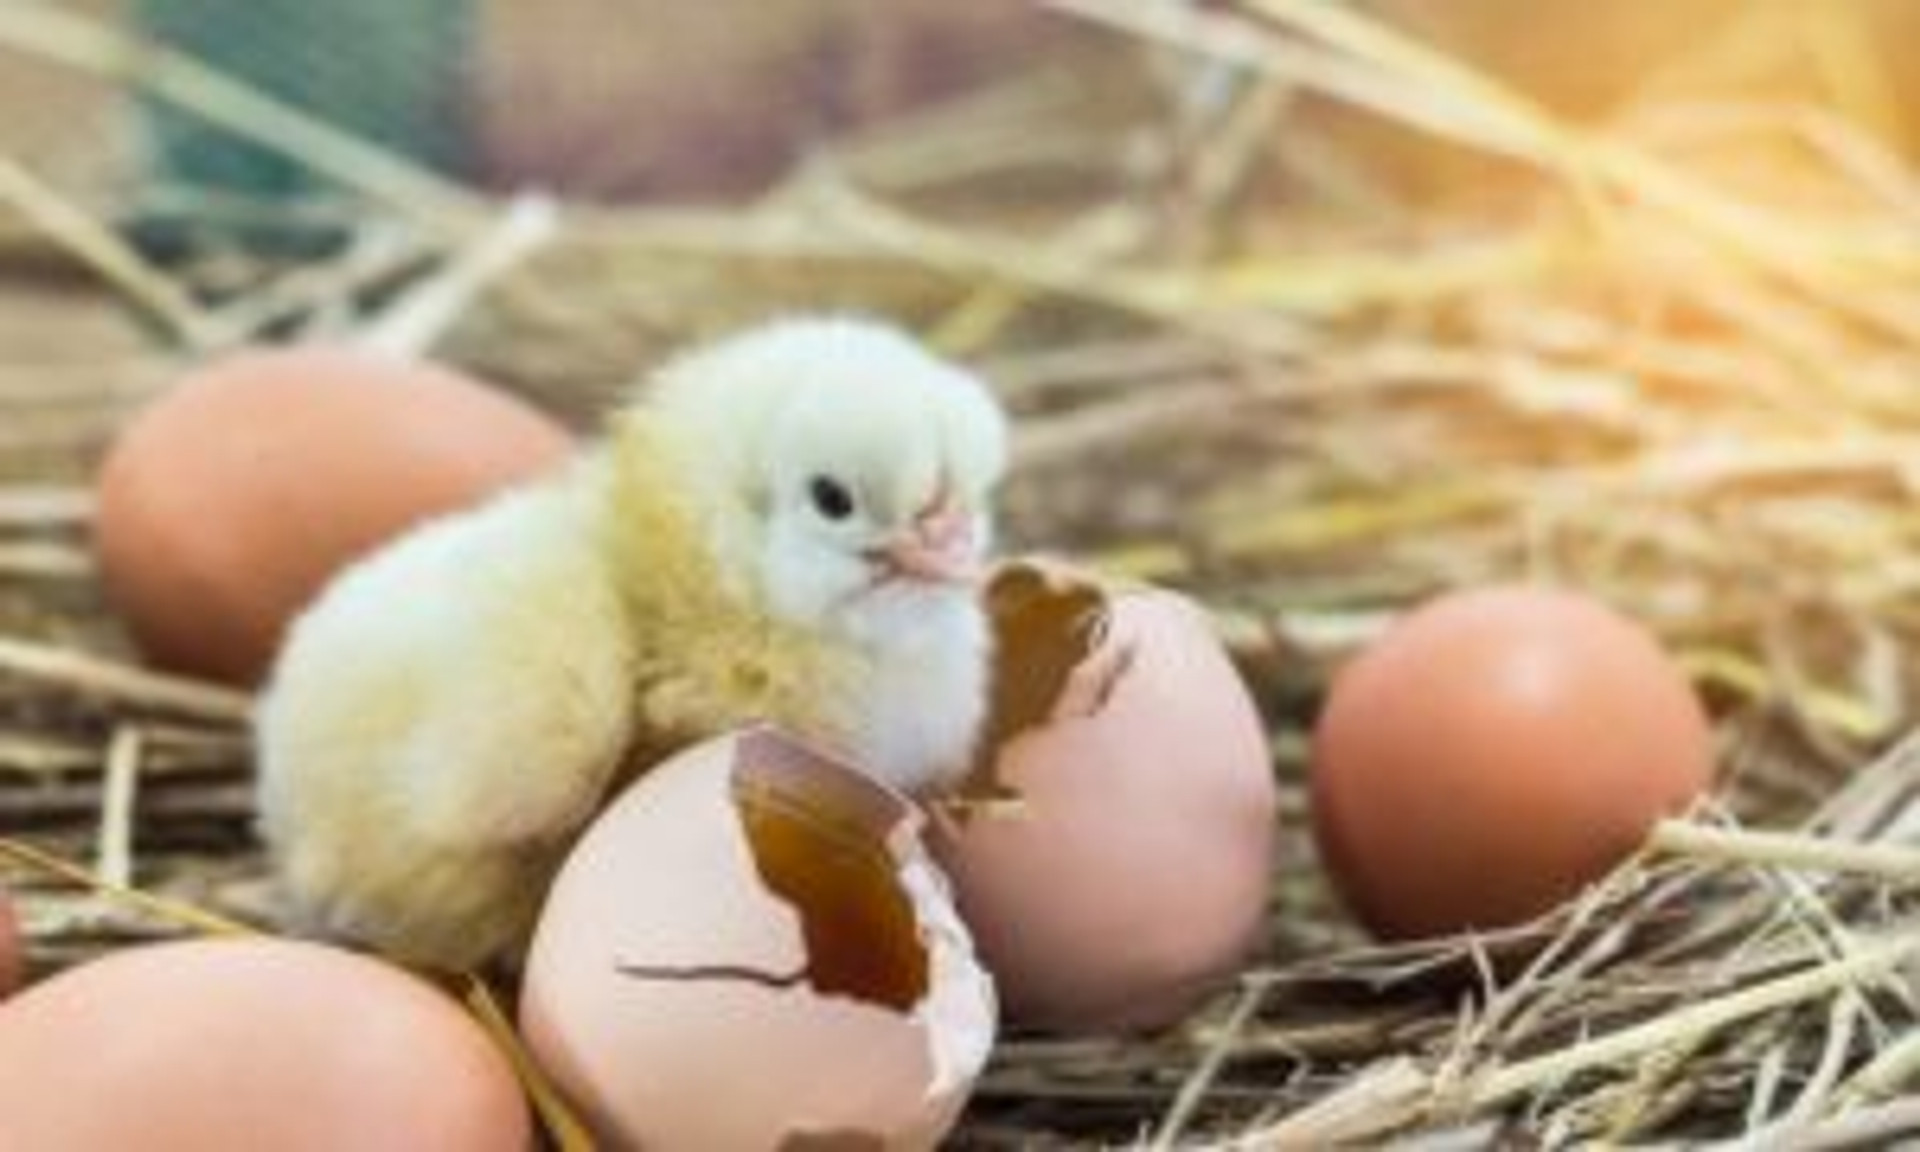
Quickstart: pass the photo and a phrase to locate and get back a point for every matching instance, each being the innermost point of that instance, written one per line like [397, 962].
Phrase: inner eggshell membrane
[876, 921]
[1044, 627]
[819, 843]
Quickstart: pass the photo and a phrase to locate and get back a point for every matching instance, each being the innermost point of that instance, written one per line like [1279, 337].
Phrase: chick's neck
[676, 554]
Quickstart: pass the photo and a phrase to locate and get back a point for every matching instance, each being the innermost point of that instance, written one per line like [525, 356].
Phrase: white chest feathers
[922, 709]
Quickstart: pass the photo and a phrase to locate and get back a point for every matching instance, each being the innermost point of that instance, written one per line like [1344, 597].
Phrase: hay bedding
[1246, 364]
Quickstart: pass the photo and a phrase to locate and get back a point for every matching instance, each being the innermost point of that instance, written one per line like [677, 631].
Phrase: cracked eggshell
[1112, 851]
[225, 1045]
[226, 504]
[750, 949]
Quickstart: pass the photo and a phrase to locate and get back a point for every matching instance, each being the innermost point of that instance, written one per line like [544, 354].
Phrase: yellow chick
[785, 526]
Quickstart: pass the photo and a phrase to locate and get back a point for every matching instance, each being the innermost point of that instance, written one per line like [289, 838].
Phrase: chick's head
[856, 467]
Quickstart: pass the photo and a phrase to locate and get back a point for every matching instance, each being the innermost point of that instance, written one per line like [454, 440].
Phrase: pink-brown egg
[1119, 867]
[1493, 753]
[226, 504]
[240, 1045]
[750, 949]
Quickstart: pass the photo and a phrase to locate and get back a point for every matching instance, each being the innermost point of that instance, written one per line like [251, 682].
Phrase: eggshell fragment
[750, 949]
[240, 1045]
[228, 503]
[1493, 753]
[1129, 874]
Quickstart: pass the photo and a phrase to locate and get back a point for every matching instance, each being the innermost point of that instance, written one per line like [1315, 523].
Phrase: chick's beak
[940, 548]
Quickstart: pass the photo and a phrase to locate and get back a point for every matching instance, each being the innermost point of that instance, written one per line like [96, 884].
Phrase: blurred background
[1307, 307]
[641, 100]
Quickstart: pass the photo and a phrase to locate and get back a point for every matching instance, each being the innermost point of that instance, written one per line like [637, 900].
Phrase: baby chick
[785, 526]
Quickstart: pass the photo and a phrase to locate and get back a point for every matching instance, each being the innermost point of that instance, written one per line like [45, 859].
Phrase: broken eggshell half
[1112, 848]
[751, 949]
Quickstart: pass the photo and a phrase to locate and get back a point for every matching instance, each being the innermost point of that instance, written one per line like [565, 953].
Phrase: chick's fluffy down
[450, 712]
[484, 660]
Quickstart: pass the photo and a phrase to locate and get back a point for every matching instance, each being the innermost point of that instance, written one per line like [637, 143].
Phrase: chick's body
[763, 539]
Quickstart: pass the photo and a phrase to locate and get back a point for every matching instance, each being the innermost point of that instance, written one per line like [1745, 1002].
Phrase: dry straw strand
[124, 755]
[102, 250]
[121, 684]
[1688, 1024]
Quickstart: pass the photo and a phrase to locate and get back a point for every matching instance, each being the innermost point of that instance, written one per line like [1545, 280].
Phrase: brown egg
[1124, 872]
[750, 949]
[228, 503]
[239, 1045]
[1493, 753]
[12, 946]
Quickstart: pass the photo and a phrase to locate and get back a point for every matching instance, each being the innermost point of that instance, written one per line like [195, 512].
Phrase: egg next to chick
[228, 1043]
[783, 527]
[230, 501]
[1493, 753]
[1113, 851]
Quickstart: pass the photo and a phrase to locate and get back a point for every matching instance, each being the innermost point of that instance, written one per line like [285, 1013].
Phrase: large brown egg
[239, 1045]
[1115, 860]
[1493, 753]
[749, 950]
[228, 503]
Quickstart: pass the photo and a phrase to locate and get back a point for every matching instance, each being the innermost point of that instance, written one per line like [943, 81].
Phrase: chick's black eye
[830, 497]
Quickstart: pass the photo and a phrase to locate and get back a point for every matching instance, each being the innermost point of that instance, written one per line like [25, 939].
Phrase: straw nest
[1247, 364]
